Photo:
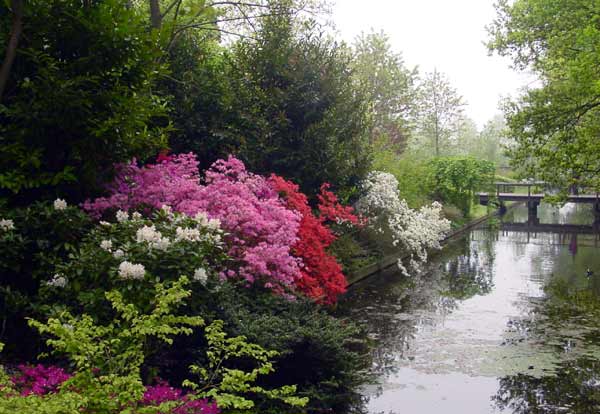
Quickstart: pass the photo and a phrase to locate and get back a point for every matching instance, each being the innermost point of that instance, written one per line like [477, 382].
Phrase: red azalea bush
[322, 276]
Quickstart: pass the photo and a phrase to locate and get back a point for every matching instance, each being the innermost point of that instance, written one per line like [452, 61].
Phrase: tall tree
[441, 109]
[389, 86]
[80, 96]
[555, 125]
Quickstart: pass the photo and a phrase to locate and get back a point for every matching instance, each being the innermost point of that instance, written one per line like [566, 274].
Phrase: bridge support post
[596, 210]
[532, 212]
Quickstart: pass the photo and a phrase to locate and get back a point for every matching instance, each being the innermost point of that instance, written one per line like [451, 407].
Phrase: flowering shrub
[260, 229]
[322, 275]
[133, 253]
[162, 392]
[108, 360]
[413, 231]
[39, 379]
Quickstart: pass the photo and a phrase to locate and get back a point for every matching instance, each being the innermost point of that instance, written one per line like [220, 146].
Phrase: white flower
[129, 270]
[167, 209]
[161, 244]
[106, 245]
[148, 234]
[57, 281]
[7, 224]
[201, 218]
[188, 234]
[200, 275]
[122, 216]
[414, 231]
[104, 223]
[136, 216]
[214, 224]
[118, 254]
[60, 204]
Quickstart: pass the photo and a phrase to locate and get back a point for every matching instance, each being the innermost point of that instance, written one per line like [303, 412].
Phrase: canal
[501, 321]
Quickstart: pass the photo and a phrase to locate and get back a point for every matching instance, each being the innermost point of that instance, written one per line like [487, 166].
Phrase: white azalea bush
[414, 232]
[132, 254]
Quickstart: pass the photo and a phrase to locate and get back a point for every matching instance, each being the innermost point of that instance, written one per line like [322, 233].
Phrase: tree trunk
[155, 16]
[13, 43]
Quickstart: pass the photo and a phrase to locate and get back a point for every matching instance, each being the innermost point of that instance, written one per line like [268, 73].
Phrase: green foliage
[389, 87]
[410, 170]
[107, 357]
[227, 385]
[42, 237]
[555, 125]
[455, 179]
[283, 102]
[80, 97]
[325, 356]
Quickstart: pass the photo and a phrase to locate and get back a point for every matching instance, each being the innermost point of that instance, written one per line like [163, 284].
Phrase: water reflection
[477, 332]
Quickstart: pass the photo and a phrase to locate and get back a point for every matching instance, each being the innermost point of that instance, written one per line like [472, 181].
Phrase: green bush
[325, 356]
[455, 179]
[42, 237]
[108, 360]
[80, 97]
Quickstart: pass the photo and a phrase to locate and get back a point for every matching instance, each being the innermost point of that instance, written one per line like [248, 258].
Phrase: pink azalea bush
[162, 392]
[39, 379]
[261, 230]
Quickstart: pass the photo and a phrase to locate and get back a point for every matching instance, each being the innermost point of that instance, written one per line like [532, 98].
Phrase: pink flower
[39, 379]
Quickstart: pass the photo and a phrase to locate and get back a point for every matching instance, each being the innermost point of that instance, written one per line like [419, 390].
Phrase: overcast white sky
[443, 34]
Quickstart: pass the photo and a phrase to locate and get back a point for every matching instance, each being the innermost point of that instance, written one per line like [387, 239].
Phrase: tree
[440, 111]
[554, 126]
[78, 98]
[289, 107]
[492, 141]
[389, 86]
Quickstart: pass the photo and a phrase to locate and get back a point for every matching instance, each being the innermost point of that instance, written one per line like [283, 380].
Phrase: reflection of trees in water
[566, 322]
[393, 308]
[575, 389]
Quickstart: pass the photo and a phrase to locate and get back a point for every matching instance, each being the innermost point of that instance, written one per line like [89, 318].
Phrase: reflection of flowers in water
[394, 310]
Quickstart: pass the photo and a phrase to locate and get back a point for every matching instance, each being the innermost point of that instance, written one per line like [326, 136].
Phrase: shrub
[108, 360]
[32, 240]
[455, 179]
[322, 276]
[132, 254]
[413, 231]
[260, 229]
[80, 97]
[326, 357]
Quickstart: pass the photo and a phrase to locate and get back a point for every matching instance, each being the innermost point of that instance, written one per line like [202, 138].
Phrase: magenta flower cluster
[261, 229]
[162, 392]
[39, 379]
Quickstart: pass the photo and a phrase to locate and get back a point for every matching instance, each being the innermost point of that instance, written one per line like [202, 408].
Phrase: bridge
[533, 199]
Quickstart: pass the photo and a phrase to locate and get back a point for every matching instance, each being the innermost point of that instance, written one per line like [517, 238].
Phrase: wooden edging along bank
[391, 260]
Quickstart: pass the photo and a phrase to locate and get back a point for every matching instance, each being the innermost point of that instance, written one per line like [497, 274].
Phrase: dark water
[501, 322]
